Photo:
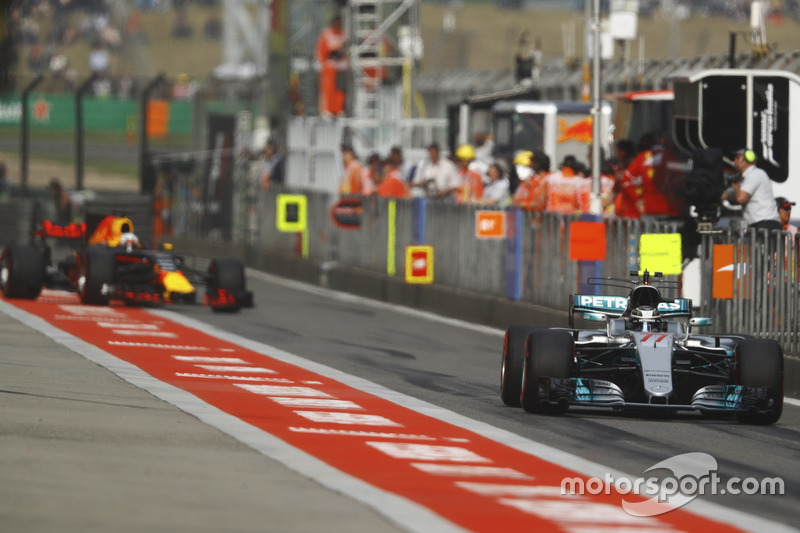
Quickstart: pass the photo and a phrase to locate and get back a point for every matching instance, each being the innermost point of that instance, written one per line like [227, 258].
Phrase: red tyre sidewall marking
[385, 440]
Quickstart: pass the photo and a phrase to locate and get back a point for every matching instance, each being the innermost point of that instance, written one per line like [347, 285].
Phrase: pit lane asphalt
[457, 366]
[84, 450]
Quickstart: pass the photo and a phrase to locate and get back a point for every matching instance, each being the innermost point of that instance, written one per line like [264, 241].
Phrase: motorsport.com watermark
[693, 474]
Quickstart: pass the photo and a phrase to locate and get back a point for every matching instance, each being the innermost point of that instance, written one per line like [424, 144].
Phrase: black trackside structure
[731, 109]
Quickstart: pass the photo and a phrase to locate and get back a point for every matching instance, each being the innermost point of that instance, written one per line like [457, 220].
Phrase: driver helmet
[645, 318]
[129, 240]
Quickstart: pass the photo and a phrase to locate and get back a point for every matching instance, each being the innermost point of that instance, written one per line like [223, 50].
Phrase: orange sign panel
[587, 241]
[730, 270]
[722, 264]
[490, 224]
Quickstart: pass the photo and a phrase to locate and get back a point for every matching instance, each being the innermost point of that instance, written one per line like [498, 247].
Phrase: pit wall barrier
[524, 277]
[529, 263]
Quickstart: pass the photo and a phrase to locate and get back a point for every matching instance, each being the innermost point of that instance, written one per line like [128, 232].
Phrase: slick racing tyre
[760, 364]
[97, 276]
[225, 275]
[513, 361]
[548, 353]
[22, 272]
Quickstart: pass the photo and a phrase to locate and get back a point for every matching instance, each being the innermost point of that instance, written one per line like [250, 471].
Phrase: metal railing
[764, 300]
[763, 296]
[749, 283]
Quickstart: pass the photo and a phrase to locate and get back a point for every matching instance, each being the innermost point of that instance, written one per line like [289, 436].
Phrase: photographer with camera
[753, 191]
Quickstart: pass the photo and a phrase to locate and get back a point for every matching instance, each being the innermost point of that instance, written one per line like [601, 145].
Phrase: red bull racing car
[107, 262]
[645, 357]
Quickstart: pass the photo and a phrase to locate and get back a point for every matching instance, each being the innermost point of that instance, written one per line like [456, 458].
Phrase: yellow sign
[419, 264]
[661, 252]
[292, 213]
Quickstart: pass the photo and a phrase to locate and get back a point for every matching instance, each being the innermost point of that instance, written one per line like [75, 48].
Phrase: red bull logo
[580, 131]
[63, 231]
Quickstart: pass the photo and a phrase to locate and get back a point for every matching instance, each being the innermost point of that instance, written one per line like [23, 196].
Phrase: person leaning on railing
[754, 192]
[352, 180]
[392, 184]
[785, 213]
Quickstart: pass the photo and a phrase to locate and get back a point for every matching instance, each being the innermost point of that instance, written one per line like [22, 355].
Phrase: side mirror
[700, 321]
[680, 328]
[616, 327]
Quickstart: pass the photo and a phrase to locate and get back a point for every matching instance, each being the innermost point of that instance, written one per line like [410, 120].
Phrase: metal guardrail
[765, 299]
[765, 302]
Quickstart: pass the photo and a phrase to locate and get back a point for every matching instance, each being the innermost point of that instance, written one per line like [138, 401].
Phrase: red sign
[587, 241]
[419, 264]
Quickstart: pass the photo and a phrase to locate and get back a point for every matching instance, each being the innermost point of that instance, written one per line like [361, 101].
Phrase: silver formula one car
[646, 357]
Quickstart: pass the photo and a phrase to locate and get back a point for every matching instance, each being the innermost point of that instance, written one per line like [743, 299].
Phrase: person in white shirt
[436, 176]
[496, 191]
[753, 192]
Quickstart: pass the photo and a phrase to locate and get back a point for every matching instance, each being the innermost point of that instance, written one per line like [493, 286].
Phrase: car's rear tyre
[97, 276]
[513, 362]
[548, 353]
[225, 274]
[22, 272]
[760, 364]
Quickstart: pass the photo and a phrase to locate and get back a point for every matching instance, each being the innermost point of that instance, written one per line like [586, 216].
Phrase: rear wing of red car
[71, 230]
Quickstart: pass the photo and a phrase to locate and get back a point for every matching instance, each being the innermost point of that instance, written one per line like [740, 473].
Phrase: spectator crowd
[633, 182]
[48, 32]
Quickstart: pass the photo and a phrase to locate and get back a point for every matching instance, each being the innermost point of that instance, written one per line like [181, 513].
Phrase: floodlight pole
[79, 130]
[596, 202]
[24, 132]
[144, 149]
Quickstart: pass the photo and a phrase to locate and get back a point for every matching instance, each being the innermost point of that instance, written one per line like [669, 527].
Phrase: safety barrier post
[79, 136]
[513, 254]
[391, 239]
[146, 182]
[419, 208]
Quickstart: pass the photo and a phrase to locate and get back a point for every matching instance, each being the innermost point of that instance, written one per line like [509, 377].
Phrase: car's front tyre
[513, 361]
[96, 276]
[22, 272]
[548, 354]
[760, 366]
[226, 282]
